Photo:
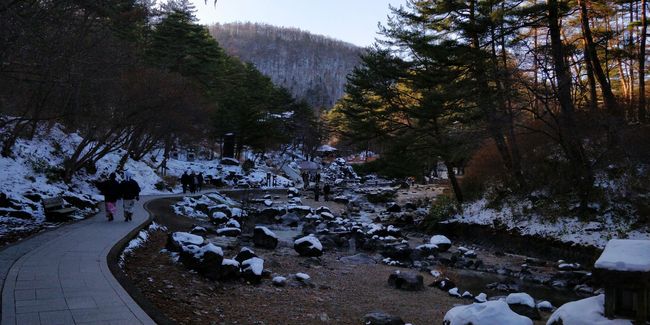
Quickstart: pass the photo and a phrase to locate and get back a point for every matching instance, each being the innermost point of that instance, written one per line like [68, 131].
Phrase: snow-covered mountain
[312, 67]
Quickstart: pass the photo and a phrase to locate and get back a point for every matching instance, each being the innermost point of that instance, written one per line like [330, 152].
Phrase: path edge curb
[112, 259]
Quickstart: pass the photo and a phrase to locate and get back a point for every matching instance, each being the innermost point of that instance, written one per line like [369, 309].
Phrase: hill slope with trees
[312, 67]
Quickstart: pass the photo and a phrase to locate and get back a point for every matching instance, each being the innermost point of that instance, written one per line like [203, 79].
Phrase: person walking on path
[326, 192]
[110, 188]
[200, 179]
[192, 182]
[185, 181]
[130, 192]
[316, 192]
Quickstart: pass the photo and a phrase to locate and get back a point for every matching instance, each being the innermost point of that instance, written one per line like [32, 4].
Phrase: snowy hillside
[33, 173]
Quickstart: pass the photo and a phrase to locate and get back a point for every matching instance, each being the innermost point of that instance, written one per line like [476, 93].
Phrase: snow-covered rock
[279, 281]
[264, 237]
[480, 298]
[406, 281]
[441, 241]
[454, 292]
[245, 253]
[589, 311]
[545, 306]
[177, 240]
[308, 246]
[229, 232]
[487, 313]
[523, 304]
[252, 270]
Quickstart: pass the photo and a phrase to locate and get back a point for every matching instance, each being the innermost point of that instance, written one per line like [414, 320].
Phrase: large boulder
[229, 232]
[487, 313]
[252, 270]
[265, 238]
[209, 259]
[245, 253]
[300, 210]
[443, 284]
[406, 281]
[442, 242]
[523, 304]
[218, 217]
[290, 219]
[229, 270]
[393, 207]
[176, 240]
[308, 246]
[398, 251]
[269, 214]
[587, 311]
[381, 318]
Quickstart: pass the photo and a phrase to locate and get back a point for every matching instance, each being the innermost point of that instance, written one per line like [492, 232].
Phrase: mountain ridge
[312, 67]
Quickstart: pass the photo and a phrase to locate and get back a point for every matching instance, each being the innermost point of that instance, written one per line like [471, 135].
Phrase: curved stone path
[62, 276]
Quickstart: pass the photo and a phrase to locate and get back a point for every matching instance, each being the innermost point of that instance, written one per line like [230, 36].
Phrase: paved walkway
[62, 276]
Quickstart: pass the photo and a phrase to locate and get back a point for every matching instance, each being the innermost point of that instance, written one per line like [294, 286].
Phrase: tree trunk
[593, 95]
[572, 143]
[644, 31]
[454, 183]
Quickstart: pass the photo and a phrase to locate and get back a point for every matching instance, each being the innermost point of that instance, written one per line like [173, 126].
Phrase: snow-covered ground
[34, 173]
[567, 228]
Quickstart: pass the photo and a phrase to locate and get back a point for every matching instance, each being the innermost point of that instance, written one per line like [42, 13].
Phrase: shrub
[442, 209]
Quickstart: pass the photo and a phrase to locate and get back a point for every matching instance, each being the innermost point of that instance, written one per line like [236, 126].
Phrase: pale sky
[353, 21]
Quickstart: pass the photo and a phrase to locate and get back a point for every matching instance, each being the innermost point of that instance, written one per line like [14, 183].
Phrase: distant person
[305, 180]
[326, 192]
[110, 188]
[268, 179]
[130, 192]
[316, 192]
[185, 181]
[192, 182]
[317, 178]
[200, 180]
[275, 177]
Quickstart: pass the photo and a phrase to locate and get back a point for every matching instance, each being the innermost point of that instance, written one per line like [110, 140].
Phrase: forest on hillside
[544, 103]
[131, 75]
[312, 67]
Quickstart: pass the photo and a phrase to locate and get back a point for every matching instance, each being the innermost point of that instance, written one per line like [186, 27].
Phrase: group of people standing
[308, 178]
[192, 182]
[128, 190]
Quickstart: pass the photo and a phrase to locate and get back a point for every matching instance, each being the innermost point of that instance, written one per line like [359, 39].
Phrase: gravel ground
[340, 293]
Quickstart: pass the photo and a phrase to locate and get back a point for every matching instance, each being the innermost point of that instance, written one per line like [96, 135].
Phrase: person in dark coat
[316, 192]
[130, 192]
[199, 185]
[326, 192]
[110, 188]
[192, 182]
[185, 181]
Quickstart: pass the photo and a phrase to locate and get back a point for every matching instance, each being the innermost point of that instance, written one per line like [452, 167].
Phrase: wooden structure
[624, 271]
[56, 209]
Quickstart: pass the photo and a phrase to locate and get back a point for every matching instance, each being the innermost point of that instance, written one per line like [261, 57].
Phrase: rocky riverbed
[351, 277]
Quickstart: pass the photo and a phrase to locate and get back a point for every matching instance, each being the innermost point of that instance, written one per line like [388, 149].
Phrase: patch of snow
[255, 264]
[487, 313]
[520, 298]
[439, 239]
[302, 276]
[481, 297]
[589, 311]
[267, 231]
[315, 243]
[187, 238]
[454, 292]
